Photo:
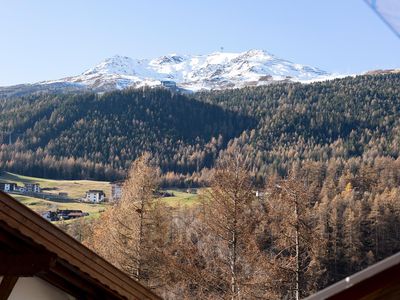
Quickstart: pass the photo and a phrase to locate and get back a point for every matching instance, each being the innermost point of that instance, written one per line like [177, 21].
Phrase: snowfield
[217, 70]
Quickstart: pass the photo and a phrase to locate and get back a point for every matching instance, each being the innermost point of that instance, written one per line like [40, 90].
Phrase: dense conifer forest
[98, 136]
[339, 119]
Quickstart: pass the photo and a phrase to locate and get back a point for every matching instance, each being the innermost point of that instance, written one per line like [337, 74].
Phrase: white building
[32, 187]
[7, 187]
[95, 196]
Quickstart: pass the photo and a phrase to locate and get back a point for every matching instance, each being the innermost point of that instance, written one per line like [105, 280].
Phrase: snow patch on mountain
[217, 70]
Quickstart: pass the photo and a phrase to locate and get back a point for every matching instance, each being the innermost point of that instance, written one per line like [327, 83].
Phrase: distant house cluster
[32, 187]
[13, 187]
[63, 214]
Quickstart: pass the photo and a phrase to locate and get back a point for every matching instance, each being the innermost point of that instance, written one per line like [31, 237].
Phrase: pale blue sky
[46, 39]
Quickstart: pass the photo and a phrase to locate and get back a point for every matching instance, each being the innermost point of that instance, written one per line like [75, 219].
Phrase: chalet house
[7, 187]
[50, 216]
[63, 214]
[40, 261]
[32, 187]
[116, 190]
[95, 196]
[79, 214]
[67, 214]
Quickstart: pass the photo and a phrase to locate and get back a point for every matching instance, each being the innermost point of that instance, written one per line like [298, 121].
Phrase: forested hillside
[344, 118]
[88, 135]
[97, 136]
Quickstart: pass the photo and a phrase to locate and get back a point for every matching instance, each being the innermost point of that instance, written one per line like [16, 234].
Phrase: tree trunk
[297, 288]
[140, 244]
[233, 266]
[233, 249]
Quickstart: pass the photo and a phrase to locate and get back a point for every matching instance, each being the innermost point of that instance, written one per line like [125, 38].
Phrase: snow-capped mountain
[195, 72]
[218, 70]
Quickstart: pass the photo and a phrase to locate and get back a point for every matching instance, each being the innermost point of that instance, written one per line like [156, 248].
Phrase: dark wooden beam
[80, 289]
[6, 286]
[385, 284]
[26, 265]
[15, 242]
[79, 280]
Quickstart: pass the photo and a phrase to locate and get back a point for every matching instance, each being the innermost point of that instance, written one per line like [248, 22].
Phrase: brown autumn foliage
[127, 233]
[293, 237]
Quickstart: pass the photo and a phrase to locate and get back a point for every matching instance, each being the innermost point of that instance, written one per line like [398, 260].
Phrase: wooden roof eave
[30, 224]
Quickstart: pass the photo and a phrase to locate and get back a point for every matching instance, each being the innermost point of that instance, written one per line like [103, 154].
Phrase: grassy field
[182, 198]
[38, 204]
[75, 188]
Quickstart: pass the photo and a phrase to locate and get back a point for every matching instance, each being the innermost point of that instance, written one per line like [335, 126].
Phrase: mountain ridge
[217, 70]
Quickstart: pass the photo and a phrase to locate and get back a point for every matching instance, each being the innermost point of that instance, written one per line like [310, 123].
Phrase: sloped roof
[74, 268]
[379, 281]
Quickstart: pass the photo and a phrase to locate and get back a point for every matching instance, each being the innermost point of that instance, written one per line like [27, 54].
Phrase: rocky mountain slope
[217, 70]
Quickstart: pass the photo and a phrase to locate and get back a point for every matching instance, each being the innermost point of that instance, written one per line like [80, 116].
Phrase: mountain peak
[117, 58]
[116, 64]
[218, 70]
[168, 59]
[255, 52]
